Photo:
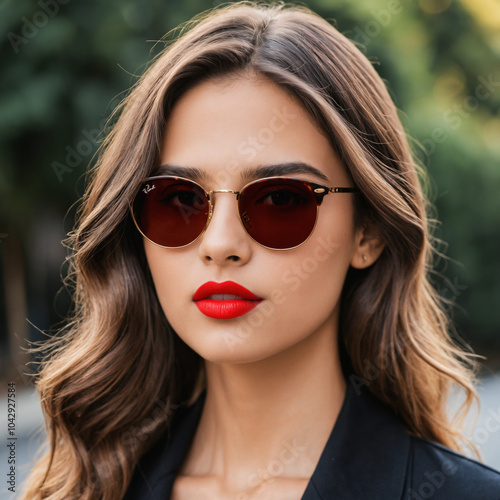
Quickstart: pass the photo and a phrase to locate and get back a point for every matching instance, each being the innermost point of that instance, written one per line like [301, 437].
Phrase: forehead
[246, 128]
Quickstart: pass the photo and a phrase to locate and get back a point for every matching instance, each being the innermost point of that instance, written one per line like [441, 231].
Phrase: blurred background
[66, 64]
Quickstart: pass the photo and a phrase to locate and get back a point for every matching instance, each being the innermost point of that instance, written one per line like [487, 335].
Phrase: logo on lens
[148, 188]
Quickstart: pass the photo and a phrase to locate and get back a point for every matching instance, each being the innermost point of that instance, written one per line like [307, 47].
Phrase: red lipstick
[225, 300]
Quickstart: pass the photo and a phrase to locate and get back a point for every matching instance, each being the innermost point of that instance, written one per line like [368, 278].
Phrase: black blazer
[368, 456]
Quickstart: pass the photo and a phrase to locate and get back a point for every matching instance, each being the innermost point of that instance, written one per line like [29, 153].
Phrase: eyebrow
[248, 173]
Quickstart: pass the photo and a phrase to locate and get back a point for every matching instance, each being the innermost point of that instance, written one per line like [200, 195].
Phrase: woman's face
[221, 127]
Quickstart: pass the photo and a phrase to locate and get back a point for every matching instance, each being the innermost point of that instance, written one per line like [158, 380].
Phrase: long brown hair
[113, 376]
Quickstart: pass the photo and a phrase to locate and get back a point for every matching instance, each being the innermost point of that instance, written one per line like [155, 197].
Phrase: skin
[278, 386]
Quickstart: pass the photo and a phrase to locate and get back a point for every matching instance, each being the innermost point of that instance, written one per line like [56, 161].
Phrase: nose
[225, 239]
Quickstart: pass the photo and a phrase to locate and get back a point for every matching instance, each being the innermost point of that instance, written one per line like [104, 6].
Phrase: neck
[279, 410]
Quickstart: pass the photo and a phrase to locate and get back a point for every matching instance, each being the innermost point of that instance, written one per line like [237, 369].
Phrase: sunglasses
[279, 213]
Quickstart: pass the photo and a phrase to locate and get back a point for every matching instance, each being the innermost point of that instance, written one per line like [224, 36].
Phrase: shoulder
[440, 473]
[382, 460]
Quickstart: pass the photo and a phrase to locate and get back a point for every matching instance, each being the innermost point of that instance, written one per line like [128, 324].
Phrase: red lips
[227, 287]
[243, 300]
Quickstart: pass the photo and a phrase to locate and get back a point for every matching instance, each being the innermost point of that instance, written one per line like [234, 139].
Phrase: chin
[229, 349]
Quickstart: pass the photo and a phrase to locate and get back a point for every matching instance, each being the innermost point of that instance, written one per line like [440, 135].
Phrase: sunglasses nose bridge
[224, 191]
[211, 198]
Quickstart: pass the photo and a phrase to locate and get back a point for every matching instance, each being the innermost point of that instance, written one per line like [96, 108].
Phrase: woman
[253, 313]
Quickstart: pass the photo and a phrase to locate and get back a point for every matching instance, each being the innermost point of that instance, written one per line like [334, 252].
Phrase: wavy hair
[112, 377]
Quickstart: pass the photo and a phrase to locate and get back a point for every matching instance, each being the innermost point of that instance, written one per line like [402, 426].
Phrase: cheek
[167, 271]
[311, 280]
[312, 283]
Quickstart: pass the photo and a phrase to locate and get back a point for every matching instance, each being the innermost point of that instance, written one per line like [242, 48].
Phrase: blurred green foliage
[65, 65]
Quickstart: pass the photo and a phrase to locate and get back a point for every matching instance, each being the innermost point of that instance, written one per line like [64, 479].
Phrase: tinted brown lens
[278, 213]
[171, 212]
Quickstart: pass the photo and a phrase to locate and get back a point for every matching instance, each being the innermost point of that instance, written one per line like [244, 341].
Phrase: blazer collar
[365, 456]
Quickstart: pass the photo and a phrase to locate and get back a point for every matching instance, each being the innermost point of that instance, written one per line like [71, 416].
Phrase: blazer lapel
[366, 454]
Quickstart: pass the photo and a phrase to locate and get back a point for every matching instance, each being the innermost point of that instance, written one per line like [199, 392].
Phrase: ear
[367, 248]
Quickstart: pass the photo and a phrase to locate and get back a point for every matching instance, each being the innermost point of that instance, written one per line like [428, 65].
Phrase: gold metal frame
[319, 191]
